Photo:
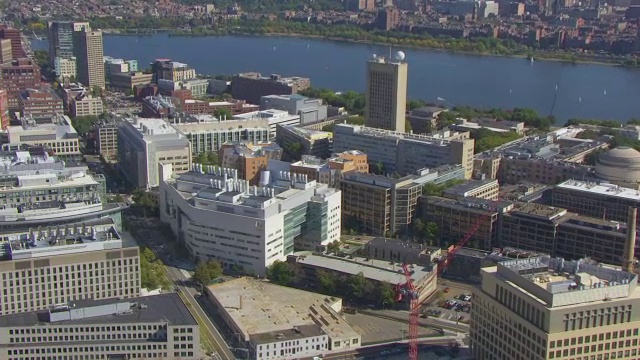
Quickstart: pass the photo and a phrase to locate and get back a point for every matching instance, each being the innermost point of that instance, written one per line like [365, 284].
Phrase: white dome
[400, 56]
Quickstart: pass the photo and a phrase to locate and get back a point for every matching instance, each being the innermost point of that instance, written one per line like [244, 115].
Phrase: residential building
[40, 256]
[211, 211]
[15, 36]
[399, 251]
[388, 18]
[38, 103]
[382, 204]
[144, 144]
[386, 93]
[455, 218]
[79, 102]
[60, 36]
[158, 326]
[65, 68]
[5, 118]
[106, 134]
[424, 120]
[389, 148]
[377, 272]
[127, 81]
[310, 110]
[6, 56]
[206, 133]
[567, 309]
[41, 190]
[200, 107]
[88, 50]
[165, 69]
[253, 86]
[604, 201]
[273, 117]
[483, 189]
[281, 323]
[311, 142]
[20, 75]
[55, 132]
[158, 107]
[250, 159]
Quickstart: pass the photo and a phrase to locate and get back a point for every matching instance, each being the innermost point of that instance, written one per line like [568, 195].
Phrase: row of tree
[152, 271]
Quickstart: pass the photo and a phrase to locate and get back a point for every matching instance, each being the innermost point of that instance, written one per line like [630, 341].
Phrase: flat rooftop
[152, 126]
[472, 185]
[259, 307]
[602, 188]
[540, 211]
[309, 134]
[163, 308]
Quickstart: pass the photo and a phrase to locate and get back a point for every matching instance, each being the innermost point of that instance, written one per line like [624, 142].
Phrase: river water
[583, 90]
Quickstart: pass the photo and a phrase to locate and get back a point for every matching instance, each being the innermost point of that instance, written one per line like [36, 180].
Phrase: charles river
[583, 90]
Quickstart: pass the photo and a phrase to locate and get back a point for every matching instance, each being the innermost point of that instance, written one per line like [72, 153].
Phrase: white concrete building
[220, 217]
[65, 68]
[56, 133]
[274, 117]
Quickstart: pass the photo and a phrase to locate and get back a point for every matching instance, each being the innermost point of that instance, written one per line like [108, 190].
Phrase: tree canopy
[152, 271]
[281, 273]
[207, 271]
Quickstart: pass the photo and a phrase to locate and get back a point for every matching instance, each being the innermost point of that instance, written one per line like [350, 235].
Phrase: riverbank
[537, 55]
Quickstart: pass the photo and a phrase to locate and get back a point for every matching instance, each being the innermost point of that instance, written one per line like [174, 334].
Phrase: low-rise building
[106, 134]
[249, 159]
[200, 107]
[158, 326]
[500, 126]
[330, 171]
[399, 251]
[308, 142]
[165, 69]
[144, 144]
[37, 103]
[273, 117]
[127, 81]
[253, 86]
[65, 67]
[158, 107]
[310, 110]
[281, 323]
[483, 189]
[424, 120]
[79, 102]
[56, 133]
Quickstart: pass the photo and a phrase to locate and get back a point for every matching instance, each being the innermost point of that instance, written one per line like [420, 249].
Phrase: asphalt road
[211, 334]
[429, 322]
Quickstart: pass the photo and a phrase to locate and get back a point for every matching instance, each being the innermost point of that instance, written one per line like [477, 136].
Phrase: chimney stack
[630, 244]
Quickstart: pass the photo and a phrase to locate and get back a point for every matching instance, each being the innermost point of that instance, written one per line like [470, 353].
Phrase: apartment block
[38, 103]
[6, 56]
[15, 36]
[310, 110]
[547, 308]
[386, 93]
[18, 76]
[144, 144]
[88, 51]
[312, 142]
[390, 148]
[54, 132]
[249, 159]
[483, 189]
[158, 326]
[36, 266]
[218, 216]
[253, 86]
[106, 133]
[456, 218]
[66, 68]
[206, 133]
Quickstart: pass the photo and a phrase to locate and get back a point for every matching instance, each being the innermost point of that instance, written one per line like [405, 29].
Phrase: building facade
[274, 117]
[18, 76]
[253, 86]
[386, 94]
[60, 36]
[55, 133]
[106, 134]
[249, 159]
[312, 142]
[38, 103]
[127, 81]
[6, 56]
[483, 189]
[5, 118]
[88, 50]
[310, 110]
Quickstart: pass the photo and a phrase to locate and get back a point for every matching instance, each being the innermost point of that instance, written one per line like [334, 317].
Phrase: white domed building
[620, 166]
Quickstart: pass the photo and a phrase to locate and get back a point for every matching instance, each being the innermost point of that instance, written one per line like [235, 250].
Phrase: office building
[106, 134]
[78, 101]
[127, 81]
[42, 190]
[250, 159]
[312, 142]
[5, 118]
[281, 323]
[253, 86]
[158, 107]
[425, 119]
[532, 227]
[39, 103]
[212, 212]
[546, 308]
[144, 144]
[310, 110]
[165, 69]
[200, 107]
[604, 201]
[455, 218]
[88, 50]
[66, 68]
[273, 117]
[386, 93]
[6, 56]
[399, 251]
[15, 36]
[495, 125]
[18, 76]
[206, 133]
[390, 148]
[483, 189]
[158, 326]
[60, 36]
[55, 133]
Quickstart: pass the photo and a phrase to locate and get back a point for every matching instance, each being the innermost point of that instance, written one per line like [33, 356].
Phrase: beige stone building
[89, 53]
[545, 308]
[483, 189]
[386, 93]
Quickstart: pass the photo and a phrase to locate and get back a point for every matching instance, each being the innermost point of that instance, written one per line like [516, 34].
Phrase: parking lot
[375, 329]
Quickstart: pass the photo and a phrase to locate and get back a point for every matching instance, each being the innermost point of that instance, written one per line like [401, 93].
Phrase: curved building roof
[620, 166]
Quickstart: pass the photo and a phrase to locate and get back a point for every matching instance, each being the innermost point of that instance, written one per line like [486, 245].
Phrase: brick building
[18, 76]
[40, 103]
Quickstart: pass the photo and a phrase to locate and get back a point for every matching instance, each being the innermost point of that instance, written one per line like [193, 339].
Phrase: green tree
[152, 271]
[207, 271]
[385, 294]
[223, 113]
[84, 124]
[294, 151]
[281, 273]
[327, 282]
[333, 247]
[144, 200]
[359, 287]
[415, 104]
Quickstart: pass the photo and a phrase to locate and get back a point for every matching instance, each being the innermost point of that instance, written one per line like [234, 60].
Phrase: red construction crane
[452, 253]
[414, 312]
